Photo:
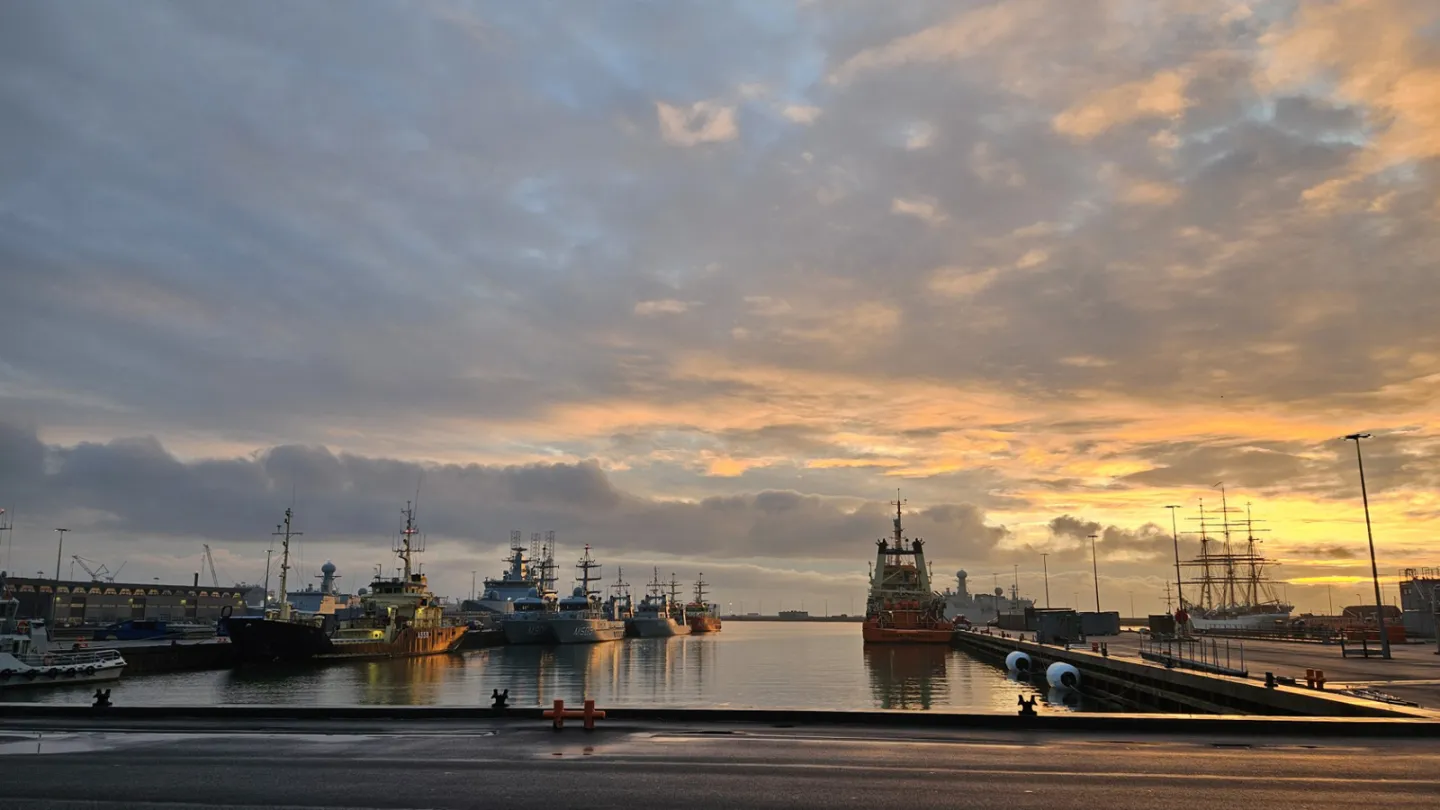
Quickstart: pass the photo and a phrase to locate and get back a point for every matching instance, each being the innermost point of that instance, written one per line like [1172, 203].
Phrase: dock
[1120, 673]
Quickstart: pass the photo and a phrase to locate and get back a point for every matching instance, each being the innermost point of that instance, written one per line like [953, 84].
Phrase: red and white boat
[702, 616]
[902, 608]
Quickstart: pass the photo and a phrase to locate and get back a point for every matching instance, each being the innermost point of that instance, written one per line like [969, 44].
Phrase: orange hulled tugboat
[902, 609]
[702, 616]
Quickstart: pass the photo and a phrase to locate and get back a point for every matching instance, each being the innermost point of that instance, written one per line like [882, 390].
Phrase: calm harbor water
[748, 665]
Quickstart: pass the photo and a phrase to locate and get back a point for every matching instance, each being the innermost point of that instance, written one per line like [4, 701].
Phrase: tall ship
[660, 614]
[702, 616]
[963, 607]
[1230, 586]
[581, 618]
[398, 617]
[901, 607]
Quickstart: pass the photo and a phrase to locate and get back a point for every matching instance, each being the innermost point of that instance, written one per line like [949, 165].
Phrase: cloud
[924, 210]
[1161, 96]
[701, 122]
[664, 306]
[134, 486]
[1040, 257]
[801, 113]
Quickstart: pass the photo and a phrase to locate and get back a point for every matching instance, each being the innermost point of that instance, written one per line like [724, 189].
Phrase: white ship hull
[973, 613]
[659, 627]
[1250, 621]
[63, 670]
[586, 631]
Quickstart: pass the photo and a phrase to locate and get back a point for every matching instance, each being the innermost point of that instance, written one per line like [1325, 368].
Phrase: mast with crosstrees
[901, 607]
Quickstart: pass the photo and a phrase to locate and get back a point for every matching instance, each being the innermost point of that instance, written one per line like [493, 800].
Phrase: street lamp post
[1370, 535]
[55, 597]
[1095, 571]
[1175, 536]
[1045, 563]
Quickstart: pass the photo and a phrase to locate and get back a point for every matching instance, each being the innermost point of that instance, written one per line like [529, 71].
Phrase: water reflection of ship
[417, 680]
[907, 676]
[536, 675]
[641, 671]
[407, 681]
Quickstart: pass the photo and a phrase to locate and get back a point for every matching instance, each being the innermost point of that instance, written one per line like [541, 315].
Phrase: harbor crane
[96, 574]
[210, 564]
[100, 573]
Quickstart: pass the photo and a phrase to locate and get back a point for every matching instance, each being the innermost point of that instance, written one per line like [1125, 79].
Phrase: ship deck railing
[69, 658]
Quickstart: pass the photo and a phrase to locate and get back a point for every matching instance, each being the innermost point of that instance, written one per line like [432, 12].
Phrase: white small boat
[29, 661]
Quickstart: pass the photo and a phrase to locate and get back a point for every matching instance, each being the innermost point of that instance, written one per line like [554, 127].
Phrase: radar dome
[327, 568]
[999, 591]
[961, 574]
[580, 592]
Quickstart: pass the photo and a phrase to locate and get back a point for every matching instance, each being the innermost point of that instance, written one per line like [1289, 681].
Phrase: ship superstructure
[702, 616]
[659, 613]
[901, 606]
[580, 617]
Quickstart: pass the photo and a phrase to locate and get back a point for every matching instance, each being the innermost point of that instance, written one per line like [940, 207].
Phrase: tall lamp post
[1095, 571]
[1175, 536]
[1045, 564]
[1370, 534]
[55, 597]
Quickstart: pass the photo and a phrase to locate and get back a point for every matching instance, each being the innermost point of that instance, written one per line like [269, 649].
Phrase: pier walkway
[523, 764]
[1412, 673]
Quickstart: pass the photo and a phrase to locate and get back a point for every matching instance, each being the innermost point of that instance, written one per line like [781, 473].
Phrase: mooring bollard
[558, 714]
[102, 699]
[1027, 708]
[498, 699]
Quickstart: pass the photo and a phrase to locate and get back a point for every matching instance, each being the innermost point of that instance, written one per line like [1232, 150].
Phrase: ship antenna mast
[282, 530]
[585, 565]
[674, 588]
[899, 532]
[405, 535]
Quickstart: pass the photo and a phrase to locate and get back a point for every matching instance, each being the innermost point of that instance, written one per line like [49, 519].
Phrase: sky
[704, 284]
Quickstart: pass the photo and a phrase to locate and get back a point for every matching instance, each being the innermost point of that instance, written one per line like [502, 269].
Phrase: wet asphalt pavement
[517, 765]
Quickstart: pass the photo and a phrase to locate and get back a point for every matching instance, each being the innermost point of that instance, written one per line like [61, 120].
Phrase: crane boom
[95, 573]
[210, 563]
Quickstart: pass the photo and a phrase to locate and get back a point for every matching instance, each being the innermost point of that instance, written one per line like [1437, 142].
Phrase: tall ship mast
[580, 617]
[659, 614]
[901, 606]
[1230, 575]
[521, 576]
[702, 616]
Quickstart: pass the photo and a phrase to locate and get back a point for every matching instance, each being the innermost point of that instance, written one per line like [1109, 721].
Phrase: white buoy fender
[1063, 676]
[1017, 661]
